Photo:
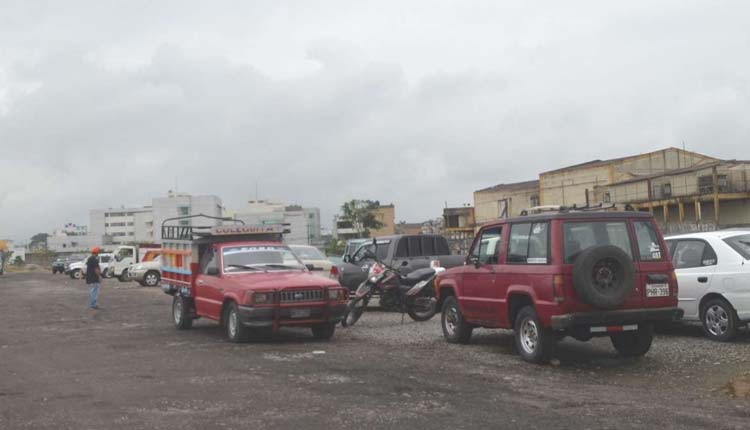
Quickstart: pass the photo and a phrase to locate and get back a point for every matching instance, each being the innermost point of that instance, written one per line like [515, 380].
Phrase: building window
[130, 224]
[534, 201]
[666, 189]
[183, 210]
[607, 197]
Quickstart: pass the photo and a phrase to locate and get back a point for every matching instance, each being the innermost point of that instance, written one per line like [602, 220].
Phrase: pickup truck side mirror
[212, 271]
[404, 263]
[310, 267]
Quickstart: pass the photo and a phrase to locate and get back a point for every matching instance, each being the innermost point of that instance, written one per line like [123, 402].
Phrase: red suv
[563, 273]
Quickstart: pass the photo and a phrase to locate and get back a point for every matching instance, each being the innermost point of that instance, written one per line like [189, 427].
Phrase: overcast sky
[418, 103]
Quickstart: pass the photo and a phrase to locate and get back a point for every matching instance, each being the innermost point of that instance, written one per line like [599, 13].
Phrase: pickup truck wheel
[455, 328]
[181, 313]
[634, 343]
[603, 276]
[151, 279]
[323, 331]
[534, 342]
[123, 276]
[719, 320]
[236, 332]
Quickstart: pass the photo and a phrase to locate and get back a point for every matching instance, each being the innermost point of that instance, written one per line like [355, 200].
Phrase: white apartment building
[304, 223]
[115, 226]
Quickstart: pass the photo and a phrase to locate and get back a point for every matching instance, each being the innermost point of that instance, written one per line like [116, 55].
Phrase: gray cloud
[110, 103]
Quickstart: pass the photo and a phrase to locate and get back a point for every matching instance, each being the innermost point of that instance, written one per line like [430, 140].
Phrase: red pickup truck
[563, 273]
[245, 278]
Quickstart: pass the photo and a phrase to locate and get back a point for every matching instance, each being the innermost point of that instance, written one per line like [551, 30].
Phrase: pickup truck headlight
[262, 298]
[336, 294]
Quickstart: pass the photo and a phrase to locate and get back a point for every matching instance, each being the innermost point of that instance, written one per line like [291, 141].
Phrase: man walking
[93, 276]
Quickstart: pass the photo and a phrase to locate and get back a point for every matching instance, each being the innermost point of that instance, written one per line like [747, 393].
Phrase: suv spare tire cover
[603, 276]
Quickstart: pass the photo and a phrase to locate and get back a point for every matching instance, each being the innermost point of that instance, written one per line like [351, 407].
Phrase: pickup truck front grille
[301, 296]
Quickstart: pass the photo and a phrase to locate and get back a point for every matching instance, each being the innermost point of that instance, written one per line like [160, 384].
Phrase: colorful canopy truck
[246, 279]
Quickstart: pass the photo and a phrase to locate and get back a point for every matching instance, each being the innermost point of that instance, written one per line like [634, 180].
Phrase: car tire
[634, 343]
[534, 342]
[151, 278]
[182, 313]
[236, 332]
[123, 276]
[76, 274]
[455, 327]
[719, 320]
[604, 276]
[323, 331]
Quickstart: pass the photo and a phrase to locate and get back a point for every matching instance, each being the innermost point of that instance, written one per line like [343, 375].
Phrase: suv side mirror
[212, 271]
[474, 260]
[346, 258]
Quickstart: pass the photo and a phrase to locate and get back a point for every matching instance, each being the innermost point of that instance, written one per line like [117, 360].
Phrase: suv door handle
[703, 279]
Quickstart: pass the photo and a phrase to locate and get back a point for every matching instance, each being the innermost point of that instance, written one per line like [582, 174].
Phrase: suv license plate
[300, 313]
[657, 290]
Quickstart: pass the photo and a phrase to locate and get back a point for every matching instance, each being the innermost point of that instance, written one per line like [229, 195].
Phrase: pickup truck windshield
[254, 258]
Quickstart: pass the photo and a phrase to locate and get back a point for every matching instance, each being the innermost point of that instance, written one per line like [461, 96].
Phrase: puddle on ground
[739, 387]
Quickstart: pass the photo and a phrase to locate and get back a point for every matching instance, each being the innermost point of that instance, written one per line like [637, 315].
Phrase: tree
[38, 241]
[18, 261]
[335, 247]
[361, 215]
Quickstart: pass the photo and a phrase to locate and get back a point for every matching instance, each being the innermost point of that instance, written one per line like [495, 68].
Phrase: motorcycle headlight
[374, 279]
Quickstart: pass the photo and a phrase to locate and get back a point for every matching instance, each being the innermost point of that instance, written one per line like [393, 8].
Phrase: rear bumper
[617, 317]
[269, 316]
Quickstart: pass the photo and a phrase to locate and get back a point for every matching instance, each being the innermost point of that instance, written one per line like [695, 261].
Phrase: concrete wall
[488, 204]
[386, 215]
[568, 186]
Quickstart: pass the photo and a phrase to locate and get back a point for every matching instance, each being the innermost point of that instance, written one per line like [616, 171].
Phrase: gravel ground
[63, 366]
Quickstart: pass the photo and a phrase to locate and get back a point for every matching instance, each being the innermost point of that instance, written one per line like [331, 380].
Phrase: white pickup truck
[127, 255]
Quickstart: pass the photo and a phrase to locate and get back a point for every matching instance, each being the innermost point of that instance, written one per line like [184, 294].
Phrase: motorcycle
[412, 294]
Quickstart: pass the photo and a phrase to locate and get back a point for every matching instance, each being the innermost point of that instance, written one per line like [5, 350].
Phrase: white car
[77, 270]
[147, 273]
[312, 257]
[713, 273]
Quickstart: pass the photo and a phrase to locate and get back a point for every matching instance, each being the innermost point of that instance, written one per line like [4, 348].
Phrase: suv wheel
[151, 279]
[76, 274]
[181, 313]
[323, 331]
[719, 320]
[455, 327]
[634, 343]
[534, 343]
[236, 332]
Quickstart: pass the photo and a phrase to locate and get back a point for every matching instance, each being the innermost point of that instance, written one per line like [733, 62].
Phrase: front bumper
[136, 275]
[269, 316]
[617, 317]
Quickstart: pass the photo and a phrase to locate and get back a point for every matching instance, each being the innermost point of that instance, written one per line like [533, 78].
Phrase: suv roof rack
[573, 208]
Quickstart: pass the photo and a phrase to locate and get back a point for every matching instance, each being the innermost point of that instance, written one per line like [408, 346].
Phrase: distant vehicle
[578, 273]
[247, 280]
[406, 252]
[77, 270]
[147, 273]
[311, 256]
[127, 255]
[713, 271]
[58, 266]
[352, 245]
[335, 260]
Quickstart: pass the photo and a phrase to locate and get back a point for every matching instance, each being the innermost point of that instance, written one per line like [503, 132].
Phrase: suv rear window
[649, 248]
[580, 236]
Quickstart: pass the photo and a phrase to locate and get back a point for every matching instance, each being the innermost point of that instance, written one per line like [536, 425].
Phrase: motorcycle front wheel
[354, 310]
[422, 308]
